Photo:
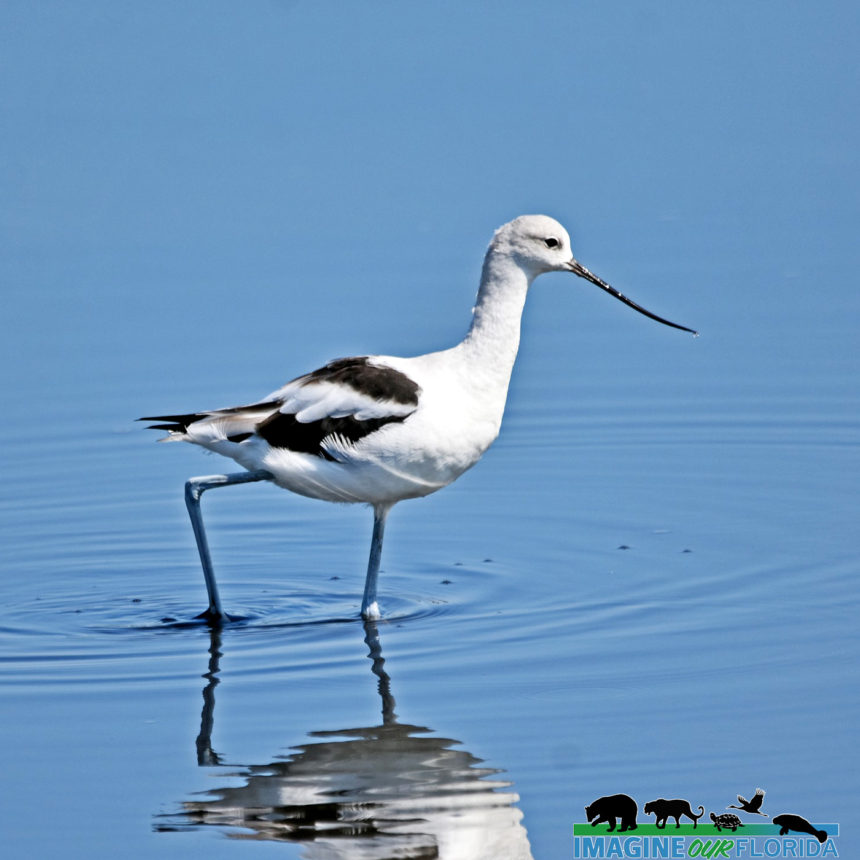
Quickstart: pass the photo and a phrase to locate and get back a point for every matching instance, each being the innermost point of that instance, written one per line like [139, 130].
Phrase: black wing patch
[378, 383]
[283, 431]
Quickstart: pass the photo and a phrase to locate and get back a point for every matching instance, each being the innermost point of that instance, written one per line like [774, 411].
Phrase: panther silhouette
[664, 809]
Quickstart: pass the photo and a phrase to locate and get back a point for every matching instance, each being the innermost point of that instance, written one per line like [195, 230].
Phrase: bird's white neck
[494, 335]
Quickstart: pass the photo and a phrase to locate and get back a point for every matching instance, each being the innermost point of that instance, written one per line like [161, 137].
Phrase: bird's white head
[538, 244]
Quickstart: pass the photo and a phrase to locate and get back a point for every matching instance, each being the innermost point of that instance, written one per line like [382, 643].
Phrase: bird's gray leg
[194, 489]
[369, 606]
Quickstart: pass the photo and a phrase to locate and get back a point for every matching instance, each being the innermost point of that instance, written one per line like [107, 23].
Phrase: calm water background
[648, 585]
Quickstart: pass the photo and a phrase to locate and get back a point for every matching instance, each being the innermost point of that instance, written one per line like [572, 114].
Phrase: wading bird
[379, 429]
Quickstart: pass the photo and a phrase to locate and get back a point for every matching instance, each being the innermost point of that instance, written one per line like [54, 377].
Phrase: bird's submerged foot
[371, 612]
[214, 618]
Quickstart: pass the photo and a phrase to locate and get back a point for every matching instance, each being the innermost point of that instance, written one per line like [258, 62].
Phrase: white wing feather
[314, 401]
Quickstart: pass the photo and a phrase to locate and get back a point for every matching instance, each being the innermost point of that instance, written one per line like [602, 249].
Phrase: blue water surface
[648, 585]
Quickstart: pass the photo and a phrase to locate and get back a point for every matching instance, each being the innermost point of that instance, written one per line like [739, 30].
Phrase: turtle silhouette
[727, 820]
[753, 805]
[801, 825]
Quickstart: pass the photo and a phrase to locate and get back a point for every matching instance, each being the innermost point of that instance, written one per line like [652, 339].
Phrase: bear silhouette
[801, 825]
[608, 809]
[665, 809]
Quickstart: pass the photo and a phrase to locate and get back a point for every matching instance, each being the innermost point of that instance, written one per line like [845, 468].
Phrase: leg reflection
[206, 756]
[388, 790]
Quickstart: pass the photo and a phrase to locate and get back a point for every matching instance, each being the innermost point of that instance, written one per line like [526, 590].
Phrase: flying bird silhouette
[753, 805]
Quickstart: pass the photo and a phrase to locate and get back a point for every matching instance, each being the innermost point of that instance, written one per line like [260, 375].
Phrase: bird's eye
[551, 242]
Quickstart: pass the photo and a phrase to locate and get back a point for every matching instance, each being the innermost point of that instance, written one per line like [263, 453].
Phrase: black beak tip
[578, 269]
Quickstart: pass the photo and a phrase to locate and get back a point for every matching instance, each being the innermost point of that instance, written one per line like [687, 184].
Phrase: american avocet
[379, 429]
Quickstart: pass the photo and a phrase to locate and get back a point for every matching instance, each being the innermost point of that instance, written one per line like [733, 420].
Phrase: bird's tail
[176, 425]
[234, 424]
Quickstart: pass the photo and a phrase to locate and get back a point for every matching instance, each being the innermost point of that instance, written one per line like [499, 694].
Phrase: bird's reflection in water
[393, 790]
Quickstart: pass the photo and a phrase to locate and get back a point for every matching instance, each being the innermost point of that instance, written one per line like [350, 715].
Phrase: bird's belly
[373, 482]
[399, 461]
